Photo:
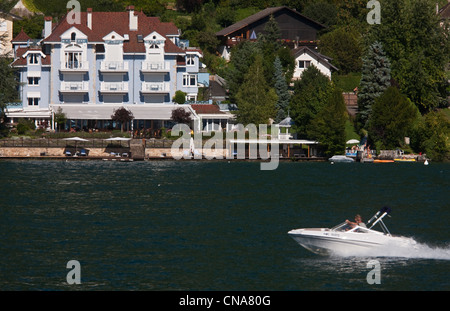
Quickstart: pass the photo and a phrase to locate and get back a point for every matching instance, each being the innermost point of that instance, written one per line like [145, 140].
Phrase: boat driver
[358, 222]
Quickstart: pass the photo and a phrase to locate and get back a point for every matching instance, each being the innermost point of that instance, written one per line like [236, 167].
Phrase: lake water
[210, 225]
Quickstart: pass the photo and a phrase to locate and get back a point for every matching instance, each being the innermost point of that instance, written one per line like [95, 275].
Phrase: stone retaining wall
[49, 152]
[18, 152]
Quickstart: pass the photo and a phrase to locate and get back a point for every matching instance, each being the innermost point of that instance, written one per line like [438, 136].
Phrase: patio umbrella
[76, 140]
[353, 141]
[119, 139]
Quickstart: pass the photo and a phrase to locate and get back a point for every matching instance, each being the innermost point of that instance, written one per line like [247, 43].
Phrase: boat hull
[324, 241]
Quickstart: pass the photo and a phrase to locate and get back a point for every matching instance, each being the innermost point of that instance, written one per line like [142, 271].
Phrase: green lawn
[346, 82]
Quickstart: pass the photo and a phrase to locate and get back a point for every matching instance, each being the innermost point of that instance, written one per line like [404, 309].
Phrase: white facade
[133, 62]
[305, 57]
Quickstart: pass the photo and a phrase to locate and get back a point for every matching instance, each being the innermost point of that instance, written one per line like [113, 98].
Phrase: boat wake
[411, 249]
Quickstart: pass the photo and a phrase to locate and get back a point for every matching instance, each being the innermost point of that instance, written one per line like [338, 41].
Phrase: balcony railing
[114, 66]
[155, 88]
[155, 67]
[75, 66]
[74, 87]
[114, 87]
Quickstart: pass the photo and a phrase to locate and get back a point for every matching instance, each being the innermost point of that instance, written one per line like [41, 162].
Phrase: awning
[33, 74]
[274, 141]
[104, 112]
[20, 113]
[34, 95]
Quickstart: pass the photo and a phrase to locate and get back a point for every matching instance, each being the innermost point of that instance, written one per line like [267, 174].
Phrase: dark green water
[180, 225]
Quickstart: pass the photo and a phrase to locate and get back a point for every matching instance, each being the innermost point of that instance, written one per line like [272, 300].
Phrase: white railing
[117, 66]
[155, 87]
[75, 66]
[155, 67]
[75, 87]
[114, 87]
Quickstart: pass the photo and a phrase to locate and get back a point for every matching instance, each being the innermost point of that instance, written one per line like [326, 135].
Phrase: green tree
[150, 8]
[268, 47]
[123, 116]
[344, 45]
[418, 48]
[281, 88]
[6, 6]
[323, 12]
[311, 93]
[180, 97]
[60, 118]
[272, 32]
[242, 57]
[32, 26]
[392, 119]
[269, 44]
[256, 100]
[328, 127]
[375, 79]
[431, 136]
[8, 89]
[226, 16]
[352, 12]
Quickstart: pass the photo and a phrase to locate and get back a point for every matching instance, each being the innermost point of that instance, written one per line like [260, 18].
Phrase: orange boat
[383, 161]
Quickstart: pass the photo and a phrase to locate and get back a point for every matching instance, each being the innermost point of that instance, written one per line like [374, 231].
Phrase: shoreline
[124, 159]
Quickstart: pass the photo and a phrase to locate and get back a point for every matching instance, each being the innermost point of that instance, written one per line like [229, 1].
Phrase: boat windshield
[346, 227]
[341, 227]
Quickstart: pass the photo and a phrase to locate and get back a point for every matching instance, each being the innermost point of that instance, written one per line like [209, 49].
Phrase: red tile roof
[21, 61]
[21, 37]
[104, 23]
[206, 109]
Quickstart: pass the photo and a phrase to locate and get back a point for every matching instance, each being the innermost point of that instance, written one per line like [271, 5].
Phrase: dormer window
[33, 59]
[190, 60]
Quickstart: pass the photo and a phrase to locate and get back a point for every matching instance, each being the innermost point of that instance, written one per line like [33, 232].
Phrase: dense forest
[398, 66]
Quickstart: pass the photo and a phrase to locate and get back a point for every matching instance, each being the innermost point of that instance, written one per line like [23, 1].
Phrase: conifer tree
[256, 100]
[311, 94]
[375, 79]
[328, 127]
[282, 91]
[272, 31]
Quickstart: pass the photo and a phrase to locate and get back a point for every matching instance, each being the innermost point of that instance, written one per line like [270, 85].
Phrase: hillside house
[295, 29]
[305, 57]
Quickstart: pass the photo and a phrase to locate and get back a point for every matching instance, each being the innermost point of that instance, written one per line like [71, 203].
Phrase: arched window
[73, 36]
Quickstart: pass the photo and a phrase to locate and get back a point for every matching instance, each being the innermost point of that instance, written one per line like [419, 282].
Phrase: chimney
[48, 25]
[133, 18]
[89, 18]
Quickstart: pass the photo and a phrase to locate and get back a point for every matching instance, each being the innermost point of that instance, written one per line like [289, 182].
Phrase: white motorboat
[341, 158]
[346, 240]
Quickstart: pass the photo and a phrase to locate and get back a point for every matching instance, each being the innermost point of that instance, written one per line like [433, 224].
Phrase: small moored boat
[341, 158]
